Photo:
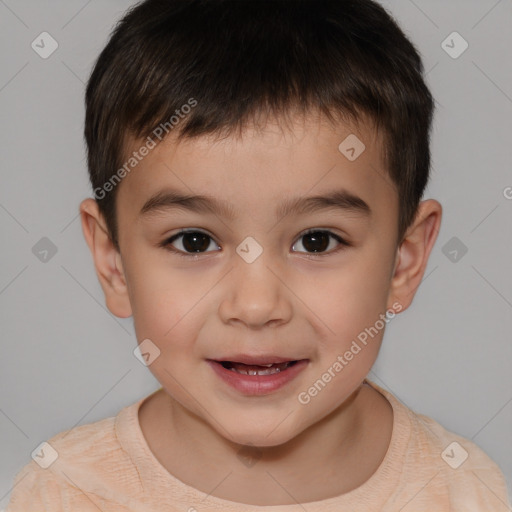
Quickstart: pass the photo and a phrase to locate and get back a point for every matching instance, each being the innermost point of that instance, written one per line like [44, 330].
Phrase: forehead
[307, 157]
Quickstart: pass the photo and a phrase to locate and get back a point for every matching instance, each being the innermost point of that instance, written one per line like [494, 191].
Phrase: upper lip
[256, 359]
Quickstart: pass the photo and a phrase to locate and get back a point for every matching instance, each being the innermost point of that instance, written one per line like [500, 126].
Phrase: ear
[413, 253]
[107, 260]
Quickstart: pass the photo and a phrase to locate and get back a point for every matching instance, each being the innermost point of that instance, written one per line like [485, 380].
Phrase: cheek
[353, 298]
[164, 302]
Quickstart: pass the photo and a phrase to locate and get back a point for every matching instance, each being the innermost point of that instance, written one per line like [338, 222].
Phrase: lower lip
[258, 384]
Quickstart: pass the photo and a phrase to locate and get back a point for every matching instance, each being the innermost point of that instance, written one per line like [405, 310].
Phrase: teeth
[270, 369]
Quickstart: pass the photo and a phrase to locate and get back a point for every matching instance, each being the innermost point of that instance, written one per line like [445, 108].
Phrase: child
[226, 139]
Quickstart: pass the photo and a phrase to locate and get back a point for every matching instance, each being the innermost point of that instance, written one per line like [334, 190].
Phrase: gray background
[67, 361]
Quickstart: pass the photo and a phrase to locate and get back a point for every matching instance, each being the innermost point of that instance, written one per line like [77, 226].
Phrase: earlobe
[107, 260]
[412, 257]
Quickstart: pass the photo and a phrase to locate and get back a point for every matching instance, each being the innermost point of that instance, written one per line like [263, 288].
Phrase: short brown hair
[241, 58]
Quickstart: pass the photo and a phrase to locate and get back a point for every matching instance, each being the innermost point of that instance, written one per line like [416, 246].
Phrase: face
[249, 279]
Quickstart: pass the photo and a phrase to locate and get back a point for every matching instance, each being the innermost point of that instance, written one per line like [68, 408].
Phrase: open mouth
[261, 379]
[251, 369]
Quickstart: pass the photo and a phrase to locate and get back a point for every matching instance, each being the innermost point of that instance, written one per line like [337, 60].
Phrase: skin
[288, 302]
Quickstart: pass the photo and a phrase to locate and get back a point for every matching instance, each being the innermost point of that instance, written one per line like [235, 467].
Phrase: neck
[322, 462]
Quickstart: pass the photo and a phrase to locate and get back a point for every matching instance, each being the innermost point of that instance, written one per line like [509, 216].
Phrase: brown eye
[193, 242]
[190, 241]
[318, 241]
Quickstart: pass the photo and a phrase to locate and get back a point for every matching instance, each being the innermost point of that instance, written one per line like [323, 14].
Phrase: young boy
[258, 169]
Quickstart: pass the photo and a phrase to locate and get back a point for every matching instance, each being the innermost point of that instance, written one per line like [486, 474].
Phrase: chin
[264, 435]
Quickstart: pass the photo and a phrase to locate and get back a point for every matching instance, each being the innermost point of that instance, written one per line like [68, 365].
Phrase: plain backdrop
[67, 361]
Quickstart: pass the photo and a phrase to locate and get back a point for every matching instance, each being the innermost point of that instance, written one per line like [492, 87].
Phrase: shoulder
[70, 466]
[438, 467]
[452, 452]
[459, 467]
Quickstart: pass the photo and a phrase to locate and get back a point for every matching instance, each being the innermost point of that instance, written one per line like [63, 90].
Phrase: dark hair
[238, 59]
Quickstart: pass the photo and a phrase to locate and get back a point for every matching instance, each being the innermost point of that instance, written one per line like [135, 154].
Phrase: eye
[318, 241]
[190, 241]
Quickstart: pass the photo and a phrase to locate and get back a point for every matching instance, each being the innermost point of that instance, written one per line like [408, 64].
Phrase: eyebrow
[335, 200]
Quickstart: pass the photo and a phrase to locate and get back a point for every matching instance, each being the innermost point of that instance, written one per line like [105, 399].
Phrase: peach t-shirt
[107, 466]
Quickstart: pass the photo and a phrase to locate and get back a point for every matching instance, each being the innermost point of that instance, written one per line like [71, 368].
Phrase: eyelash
[166, 244]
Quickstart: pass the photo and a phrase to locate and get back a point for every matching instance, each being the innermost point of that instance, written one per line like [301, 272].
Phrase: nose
[255, 295]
